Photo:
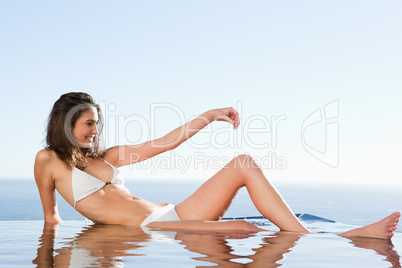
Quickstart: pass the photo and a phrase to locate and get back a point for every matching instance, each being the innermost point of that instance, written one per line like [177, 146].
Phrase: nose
[95, 129]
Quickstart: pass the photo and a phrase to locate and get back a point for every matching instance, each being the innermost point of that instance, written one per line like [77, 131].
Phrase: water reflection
[96, 245]
[219, 248]
[382, 247]
[113, 245]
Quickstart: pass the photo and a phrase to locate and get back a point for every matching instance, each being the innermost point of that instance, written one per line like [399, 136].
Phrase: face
[85, 128]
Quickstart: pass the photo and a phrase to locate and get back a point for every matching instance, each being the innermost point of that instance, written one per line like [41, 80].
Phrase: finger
[233, 112]
[230, 112]
[225, 118]
[234, 115]
[235, 122]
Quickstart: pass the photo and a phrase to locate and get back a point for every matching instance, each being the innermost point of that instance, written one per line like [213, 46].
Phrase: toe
[392, 229]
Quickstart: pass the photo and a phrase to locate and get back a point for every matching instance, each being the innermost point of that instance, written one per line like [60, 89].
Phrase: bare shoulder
[45, 162]
[43, 155]
[42, 159]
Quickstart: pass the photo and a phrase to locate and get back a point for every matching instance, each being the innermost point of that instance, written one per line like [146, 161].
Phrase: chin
[86, 145]
[89, 145]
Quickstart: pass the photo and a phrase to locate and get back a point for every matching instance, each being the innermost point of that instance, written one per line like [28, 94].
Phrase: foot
[383, 229]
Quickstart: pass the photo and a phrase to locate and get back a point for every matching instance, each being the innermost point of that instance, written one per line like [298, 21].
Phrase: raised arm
[129, 154]
[45, 184]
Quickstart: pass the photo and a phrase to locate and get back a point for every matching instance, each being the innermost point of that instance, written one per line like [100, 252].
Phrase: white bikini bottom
[166, 213]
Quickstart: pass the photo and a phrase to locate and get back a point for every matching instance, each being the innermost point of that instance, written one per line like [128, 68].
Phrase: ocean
[352, 204]
[24, 242]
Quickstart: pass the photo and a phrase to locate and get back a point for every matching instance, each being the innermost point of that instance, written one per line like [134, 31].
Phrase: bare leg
[213, 198]
[232, 226]
[383, 229]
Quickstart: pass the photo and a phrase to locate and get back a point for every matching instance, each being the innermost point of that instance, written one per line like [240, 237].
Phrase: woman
[88, 179]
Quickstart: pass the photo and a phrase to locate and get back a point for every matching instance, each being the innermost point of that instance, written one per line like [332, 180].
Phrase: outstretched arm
[46, 188]
[129, 154]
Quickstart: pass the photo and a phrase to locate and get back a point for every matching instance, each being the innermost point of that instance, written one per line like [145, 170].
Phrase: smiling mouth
[90, 139]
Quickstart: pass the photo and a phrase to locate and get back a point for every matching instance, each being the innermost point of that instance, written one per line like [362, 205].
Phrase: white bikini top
[84, 184]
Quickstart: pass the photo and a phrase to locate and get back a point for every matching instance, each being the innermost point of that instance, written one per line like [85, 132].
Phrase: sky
[317, 83]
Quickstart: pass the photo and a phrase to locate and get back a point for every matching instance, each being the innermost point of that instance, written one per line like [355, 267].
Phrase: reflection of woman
[89, 180]
[97, 244]
[215, 247]
[113, 245]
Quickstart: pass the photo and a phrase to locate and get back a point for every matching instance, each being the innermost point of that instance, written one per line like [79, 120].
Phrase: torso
[112, 204]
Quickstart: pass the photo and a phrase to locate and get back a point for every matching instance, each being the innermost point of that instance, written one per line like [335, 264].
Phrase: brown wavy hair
[62, 119]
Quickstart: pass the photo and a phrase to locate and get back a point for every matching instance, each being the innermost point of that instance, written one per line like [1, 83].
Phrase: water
[24, 242]
[351, 204]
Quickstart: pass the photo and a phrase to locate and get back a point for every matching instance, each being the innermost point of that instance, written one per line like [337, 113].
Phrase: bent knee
[245, 162]
[244, 157]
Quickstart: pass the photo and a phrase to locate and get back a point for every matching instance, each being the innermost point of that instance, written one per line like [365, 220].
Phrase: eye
[91, 123]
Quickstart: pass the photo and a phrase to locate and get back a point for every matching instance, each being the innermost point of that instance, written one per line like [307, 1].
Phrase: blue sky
[177, 59]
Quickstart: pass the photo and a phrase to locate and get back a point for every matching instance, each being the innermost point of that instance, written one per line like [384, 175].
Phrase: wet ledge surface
[82, 244]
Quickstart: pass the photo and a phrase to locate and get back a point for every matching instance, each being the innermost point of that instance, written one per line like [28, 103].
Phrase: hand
[229, 115]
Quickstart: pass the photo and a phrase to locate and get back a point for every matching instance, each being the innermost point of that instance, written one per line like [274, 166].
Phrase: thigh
[211, 201]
